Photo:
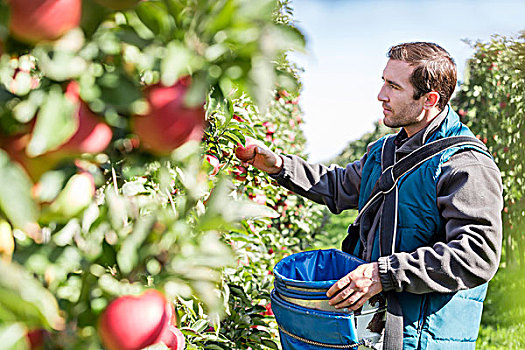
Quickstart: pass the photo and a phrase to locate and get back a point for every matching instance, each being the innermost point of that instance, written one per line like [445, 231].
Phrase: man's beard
[408, 116]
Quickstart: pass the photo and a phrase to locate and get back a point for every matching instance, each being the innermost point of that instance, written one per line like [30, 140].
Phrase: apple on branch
[92, 135]
[135, 322]
[247, 152]
[38, 20]
[213, 162]
[257, 154]
[169, 122]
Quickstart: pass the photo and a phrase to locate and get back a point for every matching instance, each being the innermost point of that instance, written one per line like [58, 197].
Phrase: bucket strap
[323, 345]
[387, 189]
[393, 172]
[393, 339]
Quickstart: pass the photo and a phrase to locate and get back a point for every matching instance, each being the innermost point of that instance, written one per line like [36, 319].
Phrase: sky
[347, 41]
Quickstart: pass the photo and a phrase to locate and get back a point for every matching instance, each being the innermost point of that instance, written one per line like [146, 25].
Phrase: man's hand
[257, 154]
[354, 289]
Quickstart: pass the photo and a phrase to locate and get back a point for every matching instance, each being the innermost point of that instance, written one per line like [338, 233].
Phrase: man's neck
[427, 116]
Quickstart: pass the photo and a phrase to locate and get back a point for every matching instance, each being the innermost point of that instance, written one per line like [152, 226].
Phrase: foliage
[208, 239]
[334, 229]
[357, 148]
[491, 102]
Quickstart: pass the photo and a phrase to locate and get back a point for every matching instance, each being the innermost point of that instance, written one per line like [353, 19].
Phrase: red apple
[36, 20]
[238, 118]
[214, 162]
[134, 322]
[240, 173]
[118, 4]
[169, 123]
[173, 338]
[35, 338]
[268, 311]
[92, 135]
[34, 166]
[258, 198]
[270, 127]
[248, 151]
[171, 314]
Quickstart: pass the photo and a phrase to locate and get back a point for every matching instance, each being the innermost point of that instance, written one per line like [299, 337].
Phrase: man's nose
[381, 96]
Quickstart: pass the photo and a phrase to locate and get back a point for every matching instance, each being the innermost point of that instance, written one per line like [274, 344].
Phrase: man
[448, 218]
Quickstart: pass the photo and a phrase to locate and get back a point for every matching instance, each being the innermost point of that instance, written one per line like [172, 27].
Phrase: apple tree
[118, 120]
[491, 101]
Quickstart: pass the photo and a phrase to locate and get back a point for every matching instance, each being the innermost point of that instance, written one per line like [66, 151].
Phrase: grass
[334, 230]
[503, 320]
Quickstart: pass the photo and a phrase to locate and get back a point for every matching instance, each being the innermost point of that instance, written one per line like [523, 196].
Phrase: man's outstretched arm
[334, 186]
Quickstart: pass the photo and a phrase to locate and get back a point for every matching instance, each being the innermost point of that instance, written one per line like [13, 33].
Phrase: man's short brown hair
[434, 69]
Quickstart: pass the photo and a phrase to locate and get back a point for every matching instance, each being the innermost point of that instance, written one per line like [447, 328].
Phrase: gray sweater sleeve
[470, 202]
[334, 186]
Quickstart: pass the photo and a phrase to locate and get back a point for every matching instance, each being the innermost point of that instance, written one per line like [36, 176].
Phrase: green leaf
[50, 185]
[200, 326]
[222, 16]
[61, 65]
[12, 336]
[228, 110]
[270, 344]
[133, 188]
[118, 90]
[118, 213]
[235, 136]
[175, 64]
[15, 196]
[216, 347]
[285, 37]
[24, 296]
[154, 16]
[92, 15]
[55, 123]
[263, 77]
[127, 257]
[214, 101]
[239, 292]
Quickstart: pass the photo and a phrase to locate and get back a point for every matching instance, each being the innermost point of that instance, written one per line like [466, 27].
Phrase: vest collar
[439, 125]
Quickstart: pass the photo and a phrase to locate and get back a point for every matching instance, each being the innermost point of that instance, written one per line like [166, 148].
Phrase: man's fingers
[354, 305]
[337, 286]
[355, 296]
[341, 299]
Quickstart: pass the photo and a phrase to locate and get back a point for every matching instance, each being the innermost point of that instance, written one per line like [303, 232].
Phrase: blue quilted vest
[431, 320]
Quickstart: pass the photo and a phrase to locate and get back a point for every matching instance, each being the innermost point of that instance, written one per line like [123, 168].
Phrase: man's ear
[432, 99]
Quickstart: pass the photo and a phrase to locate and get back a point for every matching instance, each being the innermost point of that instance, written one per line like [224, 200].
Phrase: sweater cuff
[285, 172]
[384, 274]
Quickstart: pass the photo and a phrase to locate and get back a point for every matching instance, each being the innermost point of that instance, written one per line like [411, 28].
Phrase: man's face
[399, 107]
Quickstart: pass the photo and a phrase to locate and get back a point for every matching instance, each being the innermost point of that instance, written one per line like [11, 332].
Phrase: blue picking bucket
[300, 305]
